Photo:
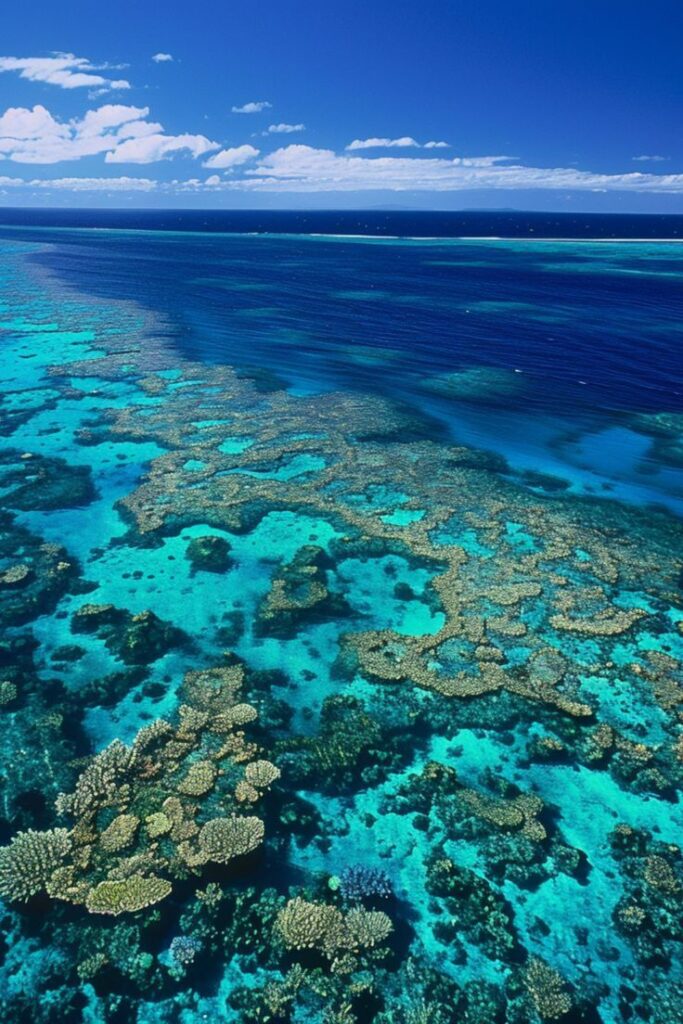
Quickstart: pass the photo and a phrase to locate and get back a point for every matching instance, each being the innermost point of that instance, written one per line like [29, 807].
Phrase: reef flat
[312, 715]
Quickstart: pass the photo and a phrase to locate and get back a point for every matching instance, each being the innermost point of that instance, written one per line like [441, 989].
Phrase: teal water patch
[627, 707]
[403, 517]
[28, 398]
[298, 465]
[375, 496]
[205, 424]
[463, 537]
[520, 539]
[390, 594]
[235, 445]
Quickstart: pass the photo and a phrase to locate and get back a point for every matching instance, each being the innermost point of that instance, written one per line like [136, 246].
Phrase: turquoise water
[416, 635]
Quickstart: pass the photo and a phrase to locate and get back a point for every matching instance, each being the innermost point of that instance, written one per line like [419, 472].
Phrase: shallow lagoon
[418, 601]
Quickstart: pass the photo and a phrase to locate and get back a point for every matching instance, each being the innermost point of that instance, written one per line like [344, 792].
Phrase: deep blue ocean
[591, 330]
[341, 593]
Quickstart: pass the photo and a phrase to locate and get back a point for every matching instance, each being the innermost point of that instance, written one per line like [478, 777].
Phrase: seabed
[310, 717]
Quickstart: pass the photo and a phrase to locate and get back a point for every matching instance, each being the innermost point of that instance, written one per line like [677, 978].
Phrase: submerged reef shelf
[310, 717]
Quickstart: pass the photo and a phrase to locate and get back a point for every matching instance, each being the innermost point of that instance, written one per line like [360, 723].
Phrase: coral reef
[136, 639]
[433, 773]
[300, 592]
[209, 553]
[34, 574]
[482, 384]
[111, 865]
[36, 482]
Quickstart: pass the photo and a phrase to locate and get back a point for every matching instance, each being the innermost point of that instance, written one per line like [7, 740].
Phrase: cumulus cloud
[35, 137]
[122, 133]
[63, 69]
[254, 107]
[20, 123]
[231, 157]
[148, 148]
[162, 58]
[404, 142]
[436, 145]
[284, 129]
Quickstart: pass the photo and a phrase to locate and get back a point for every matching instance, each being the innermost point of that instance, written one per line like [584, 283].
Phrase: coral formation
[33, 481]
[547, 990]
[136, 639]
[126, 895]
[299, 591]
[209, 553]
[357, 883]
[29, 862]
[482, 384]
[34, 574]
[105, 861]
[306, 925]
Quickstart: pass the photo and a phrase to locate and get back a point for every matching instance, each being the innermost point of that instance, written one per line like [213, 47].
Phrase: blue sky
[447, 104]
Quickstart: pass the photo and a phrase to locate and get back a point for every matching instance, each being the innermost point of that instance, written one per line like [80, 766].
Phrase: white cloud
[284, 129]
[254, 107]
[64, 69]
[232, 157]
[126, 120]
[20, 123]
[148, 148]
[122, 184]
[298, 168]
[139, 130]
[162, 58]
[403, 143]
[650, 159]
[34, 136]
